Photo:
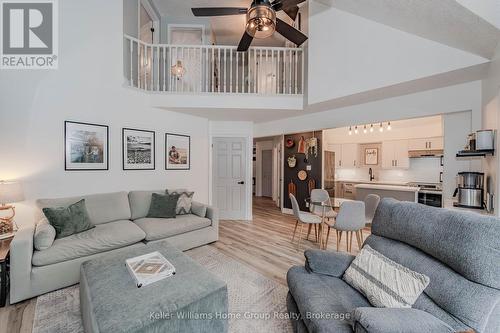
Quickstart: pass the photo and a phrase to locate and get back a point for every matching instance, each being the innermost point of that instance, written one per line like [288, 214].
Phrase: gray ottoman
[193, 300]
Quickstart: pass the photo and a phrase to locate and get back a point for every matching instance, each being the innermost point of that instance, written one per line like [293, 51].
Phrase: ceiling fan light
[261, 21]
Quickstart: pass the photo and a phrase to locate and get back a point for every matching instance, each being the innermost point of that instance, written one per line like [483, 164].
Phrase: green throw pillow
[163, 206]
[69, 220]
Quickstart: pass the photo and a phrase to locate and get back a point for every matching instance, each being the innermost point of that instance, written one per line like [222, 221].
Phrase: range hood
[425, 153]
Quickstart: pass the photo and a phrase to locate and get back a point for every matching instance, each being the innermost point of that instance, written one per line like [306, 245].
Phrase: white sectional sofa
[121, 222]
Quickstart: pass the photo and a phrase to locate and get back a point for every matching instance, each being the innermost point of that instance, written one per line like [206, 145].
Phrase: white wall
[491, 120]
[87, 87]
[350, 54]
[451, 99]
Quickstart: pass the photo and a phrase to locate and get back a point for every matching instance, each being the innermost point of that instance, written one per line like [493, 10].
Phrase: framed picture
[86, 146]
[177, 152]
[138, 149]
[371, 156]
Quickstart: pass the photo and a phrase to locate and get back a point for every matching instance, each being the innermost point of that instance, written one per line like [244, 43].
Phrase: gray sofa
[458, 251]
[121, 222]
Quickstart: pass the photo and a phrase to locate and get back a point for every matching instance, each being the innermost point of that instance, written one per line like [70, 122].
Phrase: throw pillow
[185, 201]
[163, 206]
[69, 220]
[384, 282]
[44, 236]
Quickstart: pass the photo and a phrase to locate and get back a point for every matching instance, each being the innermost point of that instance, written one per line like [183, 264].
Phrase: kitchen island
[402, 193]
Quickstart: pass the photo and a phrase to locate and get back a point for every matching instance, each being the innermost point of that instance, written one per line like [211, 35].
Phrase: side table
[4, 269]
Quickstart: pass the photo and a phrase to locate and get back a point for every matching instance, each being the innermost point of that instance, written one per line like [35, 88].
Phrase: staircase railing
[213, 69]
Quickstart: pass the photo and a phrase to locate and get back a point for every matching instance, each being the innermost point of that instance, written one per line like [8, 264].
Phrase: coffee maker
[470, 190]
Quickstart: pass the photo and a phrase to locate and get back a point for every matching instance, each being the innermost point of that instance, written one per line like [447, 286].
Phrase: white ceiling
[444, 21]
[487, 9]
[228, 29]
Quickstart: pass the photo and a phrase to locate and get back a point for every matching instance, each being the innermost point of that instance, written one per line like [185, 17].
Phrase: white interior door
[229, 174]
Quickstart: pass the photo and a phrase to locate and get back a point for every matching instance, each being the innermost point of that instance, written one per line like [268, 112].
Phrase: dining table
[327, 205]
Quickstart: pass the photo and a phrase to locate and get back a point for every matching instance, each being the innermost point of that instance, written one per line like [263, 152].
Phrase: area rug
[256, 303]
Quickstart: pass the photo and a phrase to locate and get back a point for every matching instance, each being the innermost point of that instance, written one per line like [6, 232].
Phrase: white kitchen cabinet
[435, 143]
[346, 155]
[350, 155]
[395, 154]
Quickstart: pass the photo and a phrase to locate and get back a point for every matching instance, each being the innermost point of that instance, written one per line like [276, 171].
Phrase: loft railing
[213, 69]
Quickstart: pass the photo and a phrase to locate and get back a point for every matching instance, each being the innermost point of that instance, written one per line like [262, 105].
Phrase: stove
[430, 194]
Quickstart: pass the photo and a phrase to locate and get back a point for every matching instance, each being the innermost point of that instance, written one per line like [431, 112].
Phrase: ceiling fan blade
[285, 4]
[245, 42]
[218, 11]
[290, 32]
[292, 12]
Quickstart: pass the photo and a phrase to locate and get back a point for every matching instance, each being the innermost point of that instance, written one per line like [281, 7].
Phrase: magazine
[149, 268]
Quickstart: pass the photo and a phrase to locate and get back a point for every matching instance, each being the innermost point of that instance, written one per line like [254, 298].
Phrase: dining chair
[351, 218]
[303, 218]
[371, 204]
[320, 195]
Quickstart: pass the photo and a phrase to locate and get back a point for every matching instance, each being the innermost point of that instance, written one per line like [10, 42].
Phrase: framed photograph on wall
[138, 149]
[371, 156]
[177, 152]
[86, 146]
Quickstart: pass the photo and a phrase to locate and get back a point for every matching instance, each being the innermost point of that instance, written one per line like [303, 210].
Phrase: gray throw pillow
[69, 220]
[185, 201]
[44, 236]
[163, 206]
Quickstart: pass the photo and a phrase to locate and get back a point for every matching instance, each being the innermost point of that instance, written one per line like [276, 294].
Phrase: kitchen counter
[402, 193]
[449, 205]
[388, 187]
[378, 182]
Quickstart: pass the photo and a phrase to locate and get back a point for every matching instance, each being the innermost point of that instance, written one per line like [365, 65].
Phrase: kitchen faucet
[370, 173]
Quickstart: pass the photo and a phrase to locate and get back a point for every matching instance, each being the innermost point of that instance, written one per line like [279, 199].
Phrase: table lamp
[9, 192]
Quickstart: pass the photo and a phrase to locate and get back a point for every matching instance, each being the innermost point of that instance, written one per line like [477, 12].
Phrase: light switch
[308, 167]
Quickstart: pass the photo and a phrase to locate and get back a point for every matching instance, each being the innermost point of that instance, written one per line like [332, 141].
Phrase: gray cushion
[467, 302]
[328, 263]
[140, 202]
[162, 228]
[467, 242]
[376, 320]
[321, 294]
[163, 205]
[102, 208]
[102, 238]
[44, 236]
[199, 209]
[69, 220]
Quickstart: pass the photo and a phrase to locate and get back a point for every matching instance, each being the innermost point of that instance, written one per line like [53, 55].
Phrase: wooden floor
[263, 244]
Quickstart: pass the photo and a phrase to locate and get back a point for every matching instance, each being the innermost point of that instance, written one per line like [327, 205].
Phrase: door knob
[241, 183]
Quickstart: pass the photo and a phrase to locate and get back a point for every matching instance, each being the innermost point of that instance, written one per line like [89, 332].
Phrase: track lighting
[389, 126]
[355, 129]
[381, 129]
[364, 130]
[350, 130]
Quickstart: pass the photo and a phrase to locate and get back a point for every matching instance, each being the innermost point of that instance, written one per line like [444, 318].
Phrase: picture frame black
[153, 150]
[72, 166]
[177, 138]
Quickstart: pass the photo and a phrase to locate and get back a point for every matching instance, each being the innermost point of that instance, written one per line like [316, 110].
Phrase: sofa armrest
[21, 252]
[327, 263]
[392, 320]
[213, 215]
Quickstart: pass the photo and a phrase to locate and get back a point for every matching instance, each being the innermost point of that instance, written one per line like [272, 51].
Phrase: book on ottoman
[149, 268]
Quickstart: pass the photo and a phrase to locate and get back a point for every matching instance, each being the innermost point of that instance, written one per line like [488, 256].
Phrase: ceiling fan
[261, 20]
